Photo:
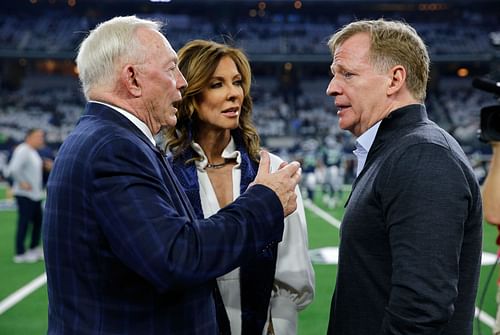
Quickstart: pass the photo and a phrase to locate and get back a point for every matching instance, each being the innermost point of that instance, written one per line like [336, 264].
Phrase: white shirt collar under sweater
[363, 145]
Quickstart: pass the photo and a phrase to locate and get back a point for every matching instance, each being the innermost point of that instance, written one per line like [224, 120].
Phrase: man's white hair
[107, 47]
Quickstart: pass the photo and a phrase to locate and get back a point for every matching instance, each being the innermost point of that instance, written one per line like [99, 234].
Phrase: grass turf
[29, 316]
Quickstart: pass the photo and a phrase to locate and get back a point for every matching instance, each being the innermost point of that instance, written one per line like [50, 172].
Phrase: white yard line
[26, 290]
[484, 317]
[22, 293]
[321, 213]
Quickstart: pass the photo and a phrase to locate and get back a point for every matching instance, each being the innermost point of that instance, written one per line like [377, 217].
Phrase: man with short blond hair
[410, 239]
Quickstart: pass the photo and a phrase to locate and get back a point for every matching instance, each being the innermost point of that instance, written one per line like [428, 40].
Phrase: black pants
[28, 211]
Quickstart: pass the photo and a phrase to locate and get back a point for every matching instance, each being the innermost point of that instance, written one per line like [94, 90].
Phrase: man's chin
[170, 122]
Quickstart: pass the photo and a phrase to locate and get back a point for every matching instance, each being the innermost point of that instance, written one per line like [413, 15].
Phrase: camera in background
[490, 115]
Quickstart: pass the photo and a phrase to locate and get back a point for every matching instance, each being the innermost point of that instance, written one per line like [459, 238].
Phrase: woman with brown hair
[214, 150]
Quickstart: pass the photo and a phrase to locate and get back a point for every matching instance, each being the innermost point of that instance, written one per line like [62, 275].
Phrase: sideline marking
[485, 318]
[24, 291]
[7, 205]
[330, 254]
[41, 280]
[321, 213]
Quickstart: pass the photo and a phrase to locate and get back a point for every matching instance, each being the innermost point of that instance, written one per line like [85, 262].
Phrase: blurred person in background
[25, 170]
[215, 154]
[334, 171]
[410, 238]
[309, 165]
[491, 209]
[124, 250]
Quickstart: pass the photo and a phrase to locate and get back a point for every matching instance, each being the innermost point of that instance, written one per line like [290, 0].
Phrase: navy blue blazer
[124, 251]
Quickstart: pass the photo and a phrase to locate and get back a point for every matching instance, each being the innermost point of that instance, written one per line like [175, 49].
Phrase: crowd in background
[448, 31]
[305, 129]
[293, 115]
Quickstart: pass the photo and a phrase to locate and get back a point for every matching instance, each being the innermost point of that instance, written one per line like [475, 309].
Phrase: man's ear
[397, 76]
[128, 77]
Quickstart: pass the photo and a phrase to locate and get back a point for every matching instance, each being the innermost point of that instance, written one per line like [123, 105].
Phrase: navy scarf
[257, 275]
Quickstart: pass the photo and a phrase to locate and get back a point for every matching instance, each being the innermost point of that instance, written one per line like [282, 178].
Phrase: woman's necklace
[216, 166]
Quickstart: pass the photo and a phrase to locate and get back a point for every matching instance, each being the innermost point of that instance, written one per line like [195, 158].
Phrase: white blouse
[293, 287]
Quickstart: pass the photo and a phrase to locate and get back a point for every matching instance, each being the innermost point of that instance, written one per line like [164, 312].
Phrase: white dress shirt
[138, 123]
[363, 146]
[293, 287]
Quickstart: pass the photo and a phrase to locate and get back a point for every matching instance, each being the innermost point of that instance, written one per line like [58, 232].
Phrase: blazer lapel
[109, 114]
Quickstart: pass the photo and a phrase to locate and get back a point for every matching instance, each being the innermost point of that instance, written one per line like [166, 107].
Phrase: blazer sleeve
[148, 227]
[293, 288]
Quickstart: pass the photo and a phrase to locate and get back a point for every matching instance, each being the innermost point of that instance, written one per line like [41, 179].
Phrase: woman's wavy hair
[198, 60]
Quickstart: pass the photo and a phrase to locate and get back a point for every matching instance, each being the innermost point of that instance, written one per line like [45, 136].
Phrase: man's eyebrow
[336, 66]
[173, 59]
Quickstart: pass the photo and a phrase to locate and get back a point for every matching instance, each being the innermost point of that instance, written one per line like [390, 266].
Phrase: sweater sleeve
[425, 218]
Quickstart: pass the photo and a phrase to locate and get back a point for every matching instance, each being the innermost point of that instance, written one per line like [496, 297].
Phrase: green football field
[28, 315]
